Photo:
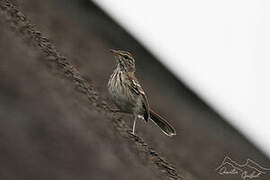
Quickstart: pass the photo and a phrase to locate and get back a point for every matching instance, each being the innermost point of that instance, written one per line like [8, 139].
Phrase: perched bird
[128, 95]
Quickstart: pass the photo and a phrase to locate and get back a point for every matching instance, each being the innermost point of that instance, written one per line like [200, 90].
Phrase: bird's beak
[116, 55]
[115, 52]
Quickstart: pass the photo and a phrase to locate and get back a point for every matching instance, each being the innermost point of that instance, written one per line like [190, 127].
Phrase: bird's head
[125, 60]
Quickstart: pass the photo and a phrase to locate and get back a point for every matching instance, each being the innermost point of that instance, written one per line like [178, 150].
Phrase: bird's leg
[134, 125]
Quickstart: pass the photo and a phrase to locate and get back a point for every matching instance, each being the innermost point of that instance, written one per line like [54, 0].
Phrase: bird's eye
[125, 57]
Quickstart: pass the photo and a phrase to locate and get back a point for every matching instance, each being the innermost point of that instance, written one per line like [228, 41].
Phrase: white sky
[221, 49]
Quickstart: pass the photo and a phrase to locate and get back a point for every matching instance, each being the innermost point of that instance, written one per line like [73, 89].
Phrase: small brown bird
[128, 95]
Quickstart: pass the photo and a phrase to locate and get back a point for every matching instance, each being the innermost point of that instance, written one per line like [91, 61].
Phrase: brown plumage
[128, 95]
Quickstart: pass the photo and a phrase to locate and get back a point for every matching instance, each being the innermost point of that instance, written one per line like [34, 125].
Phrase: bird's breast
[121, 94]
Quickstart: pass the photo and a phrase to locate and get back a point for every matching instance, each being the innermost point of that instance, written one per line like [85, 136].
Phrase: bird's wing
[136, 88]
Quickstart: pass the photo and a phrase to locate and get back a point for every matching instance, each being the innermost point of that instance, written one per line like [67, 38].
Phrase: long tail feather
[162, 124]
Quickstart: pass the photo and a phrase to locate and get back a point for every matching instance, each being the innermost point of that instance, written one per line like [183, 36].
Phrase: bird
[128, 95]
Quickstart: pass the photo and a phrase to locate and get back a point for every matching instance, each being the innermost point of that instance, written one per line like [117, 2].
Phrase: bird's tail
[162, 124]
